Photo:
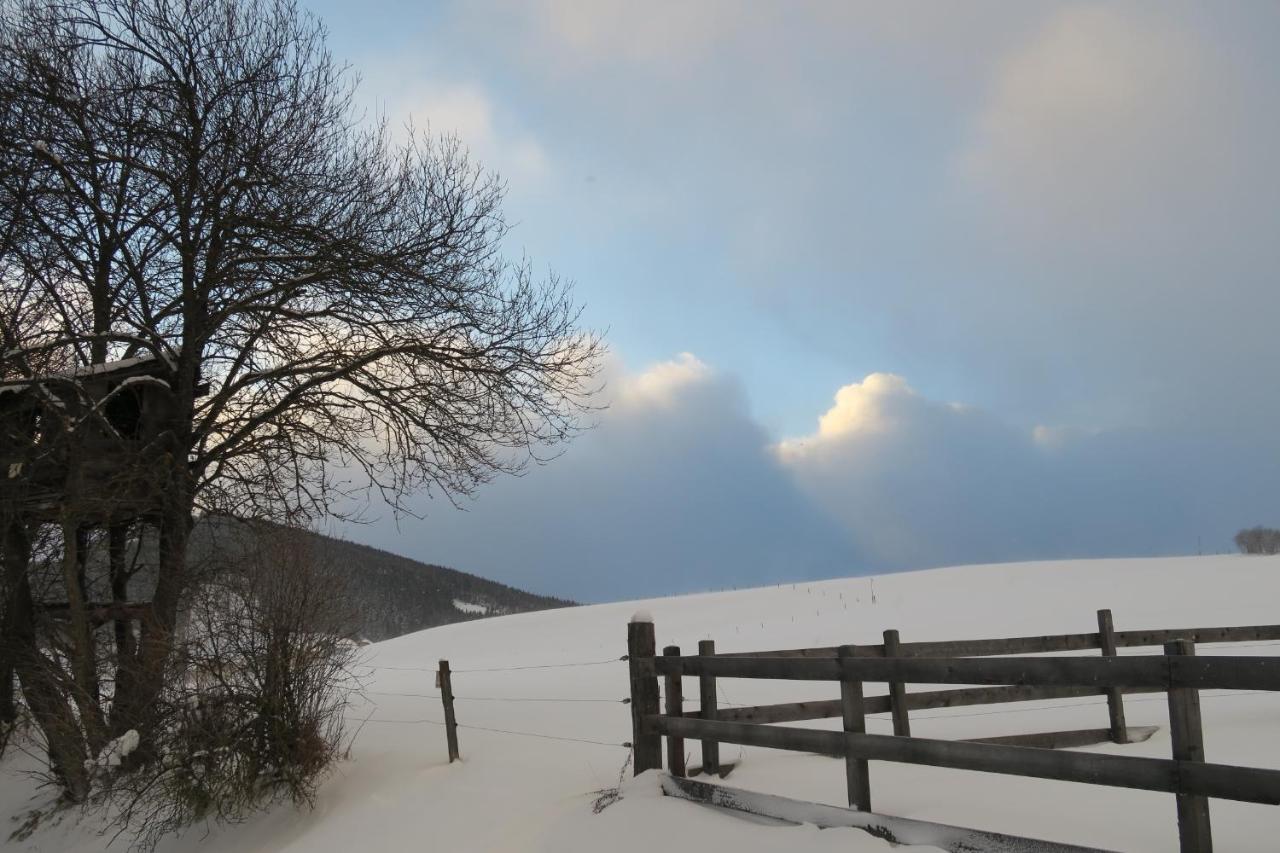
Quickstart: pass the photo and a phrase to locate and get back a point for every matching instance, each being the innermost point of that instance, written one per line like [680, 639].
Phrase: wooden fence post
[855, 722]
[1115, 695]
[1185, 730]
[450, 721]
[707, 697]
[675, 708]
[641, 646]
[897, 690]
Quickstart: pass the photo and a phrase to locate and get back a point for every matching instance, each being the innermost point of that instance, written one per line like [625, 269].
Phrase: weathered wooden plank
[1066, 740]
[824, 709]
[1223, 672]
[1046, 644]
[646, 745]
[1154, 774]
[789, 669]
[1115, 696]
[793, 712]
[708, 709]
[675, 708]
[926, 699]
[897, 690]
[1246, 784]
[1187, 734]
[815, 652]
[1228, 782]
[749, 734]
[857, 777]
[1004, 646]
[450, 720]
[1236, 634]
[1235, 673]
[896, 830]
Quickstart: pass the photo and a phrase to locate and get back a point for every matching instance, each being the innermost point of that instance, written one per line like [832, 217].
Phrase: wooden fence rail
[1177, 672]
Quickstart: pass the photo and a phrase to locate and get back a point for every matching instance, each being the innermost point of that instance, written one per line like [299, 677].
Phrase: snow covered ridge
[517, 794]
[468, 607]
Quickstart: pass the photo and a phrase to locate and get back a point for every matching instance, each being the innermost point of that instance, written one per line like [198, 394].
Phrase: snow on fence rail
[1177, 672]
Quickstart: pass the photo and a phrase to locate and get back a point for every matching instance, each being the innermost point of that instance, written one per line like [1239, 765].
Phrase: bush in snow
[1258, 540]
[254, 711]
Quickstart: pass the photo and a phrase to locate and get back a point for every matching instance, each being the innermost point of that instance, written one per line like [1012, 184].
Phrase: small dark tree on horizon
[188, 182]
[1258, 540]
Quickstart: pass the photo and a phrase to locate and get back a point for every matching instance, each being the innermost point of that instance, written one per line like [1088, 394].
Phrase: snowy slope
[519, 793]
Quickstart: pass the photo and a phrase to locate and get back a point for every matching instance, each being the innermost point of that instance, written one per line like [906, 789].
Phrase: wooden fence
[1012, 679]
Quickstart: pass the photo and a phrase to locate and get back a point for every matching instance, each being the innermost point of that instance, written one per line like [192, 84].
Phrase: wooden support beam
[855, 722]
[1245, 784]
[708, 710]
[1067, 739]
[1185, 730]
[1046, 644]
[1115, 696]
[450, 720]
[675, 708]
[646, 745]
[1231, 673]
[897, 690]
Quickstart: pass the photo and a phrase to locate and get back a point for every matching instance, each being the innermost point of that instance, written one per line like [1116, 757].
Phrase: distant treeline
[1258, 540]
[393, 595]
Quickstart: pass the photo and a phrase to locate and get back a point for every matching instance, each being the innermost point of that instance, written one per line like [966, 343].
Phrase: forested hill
[395, 595]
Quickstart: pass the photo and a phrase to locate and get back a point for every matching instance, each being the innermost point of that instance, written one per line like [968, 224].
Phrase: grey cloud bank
[679, 490]
[1057, 213]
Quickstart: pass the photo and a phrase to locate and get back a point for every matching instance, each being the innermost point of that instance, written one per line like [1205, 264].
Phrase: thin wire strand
[490, 698]
[543, 666]
[495, 668]
[539, 735]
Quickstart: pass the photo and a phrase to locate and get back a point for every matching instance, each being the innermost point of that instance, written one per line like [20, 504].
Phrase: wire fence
[723, 700]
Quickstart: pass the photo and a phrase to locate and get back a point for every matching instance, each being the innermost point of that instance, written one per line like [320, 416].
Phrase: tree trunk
[83, 651]
[141, 676]
[117, 541]
[40, 687]
[8, 647]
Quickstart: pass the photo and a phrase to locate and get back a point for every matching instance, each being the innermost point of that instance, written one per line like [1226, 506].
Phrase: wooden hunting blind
[89, 442]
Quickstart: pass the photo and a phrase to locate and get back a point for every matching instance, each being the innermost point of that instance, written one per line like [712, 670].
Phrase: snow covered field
[519, 793]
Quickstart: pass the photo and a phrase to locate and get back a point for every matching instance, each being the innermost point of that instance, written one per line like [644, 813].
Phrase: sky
[885, 286]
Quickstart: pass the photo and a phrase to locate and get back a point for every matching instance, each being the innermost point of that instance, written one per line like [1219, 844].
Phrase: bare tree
[186, 182]
[257, 714]
[1258, 540]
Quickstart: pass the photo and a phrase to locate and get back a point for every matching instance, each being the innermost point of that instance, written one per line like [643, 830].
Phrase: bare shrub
[254, 710]
[1258, 540]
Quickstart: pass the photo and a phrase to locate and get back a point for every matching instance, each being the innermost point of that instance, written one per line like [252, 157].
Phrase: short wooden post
[641, 647]
[897, 690]
[707, 697]
[855, 722]
[450, 721]
[1115, 695]
[675, 708]
[1187, 734]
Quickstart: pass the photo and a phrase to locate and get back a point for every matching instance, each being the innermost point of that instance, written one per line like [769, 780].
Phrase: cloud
[675, 490]
[917, 482]
[1103, 123]
[679, 489]
[466, 110]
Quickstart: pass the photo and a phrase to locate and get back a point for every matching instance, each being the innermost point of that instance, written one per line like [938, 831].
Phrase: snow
[642, 617]
[116, 750]
[468, 607]
[517, 794]
[143, 380]
[113, 366]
